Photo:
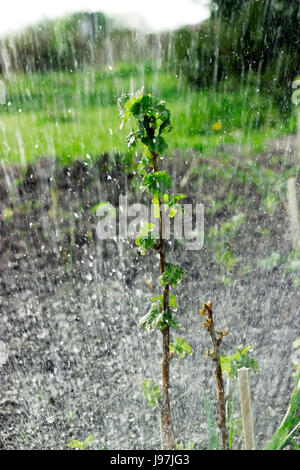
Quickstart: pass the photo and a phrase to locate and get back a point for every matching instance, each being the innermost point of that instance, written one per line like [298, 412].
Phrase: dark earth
[70, 304]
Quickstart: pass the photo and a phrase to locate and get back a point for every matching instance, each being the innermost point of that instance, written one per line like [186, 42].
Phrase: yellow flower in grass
[217, 126]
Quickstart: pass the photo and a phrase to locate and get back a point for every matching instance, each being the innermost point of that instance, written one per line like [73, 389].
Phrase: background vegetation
[227, 80]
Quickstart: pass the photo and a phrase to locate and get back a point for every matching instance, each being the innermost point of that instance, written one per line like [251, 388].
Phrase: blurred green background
[226, 81]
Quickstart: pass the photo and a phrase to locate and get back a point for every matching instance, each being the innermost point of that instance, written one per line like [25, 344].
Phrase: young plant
[216, 338]
[153, 121]
[75, 444]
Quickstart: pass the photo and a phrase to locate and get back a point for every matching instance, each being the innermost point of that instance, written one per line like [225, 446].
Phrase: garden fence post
[292, 203]
[293, 211]
[298, 136]
[245, 398]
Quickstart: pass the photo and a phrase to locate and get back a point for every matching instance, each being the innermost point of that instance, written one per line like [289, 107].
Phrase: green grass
[73, 114]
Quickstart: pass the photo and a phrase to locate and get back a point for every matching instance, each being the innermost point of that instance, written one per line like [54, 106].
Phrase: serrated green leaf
[180, 347]
[157, 317]
[152, 393]
[231, 363]
[169, 318]
[153, 317]
[172, 300]
[172, 275]
[145, 239]
[157, 182]
[75, 444]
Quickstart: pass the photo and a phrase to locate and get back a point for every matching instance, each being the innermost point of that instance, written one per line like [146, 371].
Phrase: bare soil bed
[70, 304]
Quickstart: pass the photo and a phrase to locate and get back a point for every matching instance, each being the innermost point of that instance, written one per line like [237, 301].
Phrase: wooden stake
[298, 137]
[292, 204]
[243, 378]
[293, 211]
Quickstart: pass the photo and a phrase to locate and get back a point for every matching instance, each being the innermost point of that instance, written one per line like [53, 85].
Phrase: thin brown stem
[165, 331]
[216, 338]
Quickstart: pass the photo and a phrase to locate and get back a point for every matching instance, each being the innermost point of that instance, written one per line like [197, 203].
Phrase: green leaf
[155, 200]
[226, 258]
[232, 226]
[169, 318]
[174, 198]
[231, 363]
[171, 200]
[152, 393]
[145, 243]
[75, 444]
[124, 98]
[7, 214]
[153, 317]
[190, 445]
[157, 317]
[180, 347]
[145, 229]
[172, 275]
[157, 182]
[172, 300]
[145, 161]
[141, 168]
[145, 240]
[165, 125]
[156, 144]
[146, 156]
